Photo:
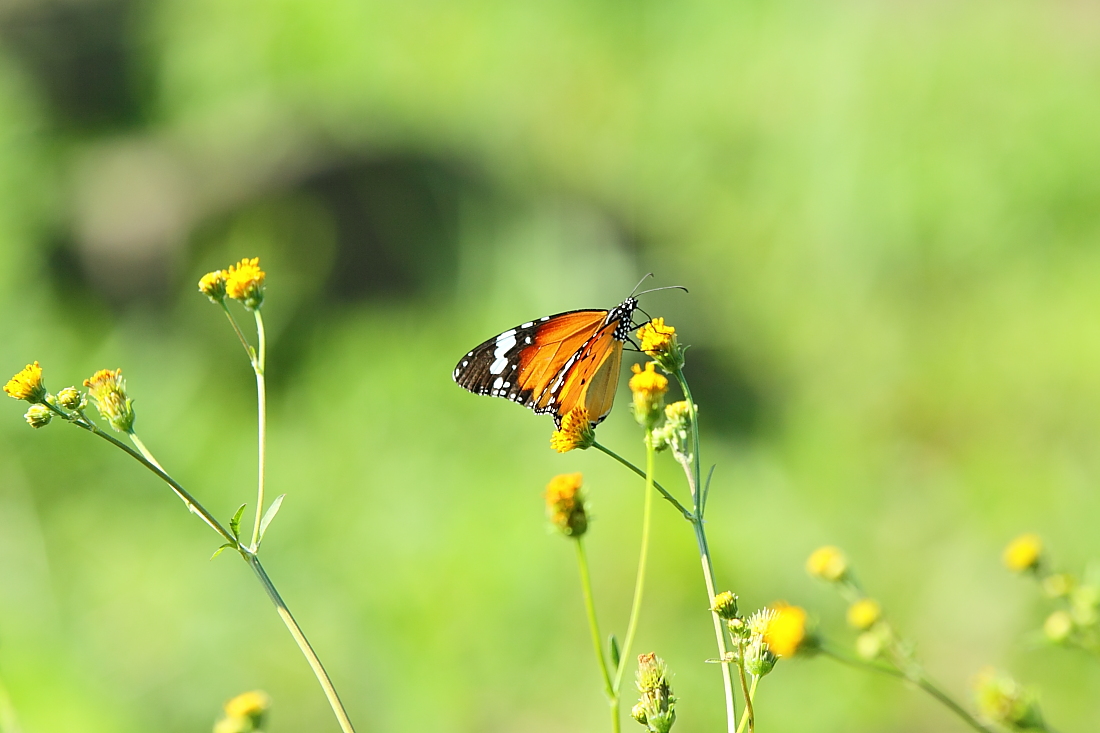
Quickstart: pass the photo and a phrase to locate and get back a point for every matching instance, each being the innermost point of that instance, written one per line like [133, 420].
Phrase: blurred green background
[888, 215]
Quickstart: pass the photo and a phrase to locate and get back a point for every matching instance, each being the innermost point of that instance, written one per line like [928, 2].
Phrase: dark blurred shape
[729, 402]
[396, 225]
[79, 54]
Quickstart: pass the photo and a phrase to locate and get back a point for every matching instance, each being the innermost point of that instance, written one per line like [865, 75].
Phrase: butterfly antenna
[666, 287]
[648, 274]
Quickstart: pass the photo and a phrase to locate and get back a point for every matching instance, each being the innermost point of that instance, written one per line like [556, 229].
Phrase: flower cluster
[243, 281]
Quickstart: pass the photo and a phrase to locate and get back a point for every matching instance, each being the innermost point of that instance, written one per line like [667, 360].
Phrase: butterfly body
[555, 363]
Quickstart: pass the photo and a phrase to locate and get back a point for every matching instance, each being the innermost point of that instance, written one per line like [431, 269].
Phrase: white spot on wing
[505, 342]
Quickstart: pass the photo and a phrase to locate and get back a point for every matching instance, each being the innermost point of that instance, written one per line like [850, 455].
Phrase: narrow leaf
[235, 522]
[270, 514]
[613, 647]
[223, 548]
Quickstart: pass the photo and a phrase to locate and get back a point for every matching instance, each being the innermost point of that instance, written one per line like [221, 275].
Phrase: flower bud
[565, 505]
[725, 605]
[827, 563]
[38, 416]
[649, 389]
[657, 703]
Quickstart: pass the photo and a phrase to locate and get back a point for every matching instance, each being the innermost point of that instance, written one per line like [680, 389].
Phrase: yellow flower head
[575, 432]
[725, 605]
[827, 563]
[27, 385]
[565, 505]
[38, 415]
[212, 285]
[244, 281]
[649, 389]
[864, 613]
[108, 389]
[656, 337]
[248, 705]
[1023, 553]
[786, 630]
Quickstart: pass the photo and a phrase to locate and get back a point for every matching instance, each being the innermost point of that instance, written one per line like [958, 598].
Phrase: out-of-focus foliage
[886, 214]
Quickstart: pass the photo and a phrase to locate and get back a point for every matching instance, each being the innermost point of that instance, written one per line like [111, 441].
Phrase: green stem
[192, 504]
[639, 583]
[669, 497]
[258, 365]
[749, 713]
[749, 697]
[145, 458]
[303, 644]
[694, 482]
[597, 640]
[237, 330]
[920, 681]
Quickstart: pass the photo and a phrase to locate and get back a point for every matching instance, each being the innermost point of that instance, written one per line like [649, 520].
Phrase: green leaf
[613, 647]
[223, 548]
[235, 522]
[269, 515]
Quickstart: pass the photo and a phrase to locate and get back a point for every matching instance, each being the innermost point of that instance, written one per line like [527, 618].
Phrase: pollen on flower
[656, 337]
[1023, 553]
[27, 384]
[827, 563]
[575, 432]
[212, 285]
[565, 504]
[244, 281]
[786, 631]
[108, 389]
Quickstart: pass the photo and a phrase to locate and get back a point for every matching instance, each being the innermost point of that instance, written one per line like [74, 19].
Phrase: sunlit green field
[888, 218]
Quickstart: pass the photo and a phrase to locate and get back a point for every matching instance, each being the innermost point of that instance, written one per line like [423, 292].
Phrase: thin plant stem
[597, 640]
[303, 644]
[694, 482]
[669, 497]
[748, 714]
[237, 330]
[639, 584]
[258, 365]
[145, 458]
[921, 680]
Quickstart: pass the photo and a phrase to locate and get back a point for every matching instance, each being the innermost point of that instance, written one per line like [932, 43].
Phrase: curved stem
[192, 504]
[669, 497]
[597, 640]
[749, 714]
[639, 583]
[749, 697]
[258, 365]
[303, 644]
[920, 681]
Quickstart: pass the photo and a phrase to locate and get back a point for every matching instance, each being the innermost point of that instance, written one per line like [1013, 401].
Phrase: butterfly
[556, 363]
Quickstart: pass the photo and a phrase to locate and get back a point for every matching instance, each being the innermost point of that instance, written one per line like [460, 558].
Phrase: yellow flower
[725, 605]
[656, 336]
[648, 388]
[108, 389]
[786, 630]
[575, 432]
[1023, 553]
[27, 385]
[248, 704]
[38, 416]
[244, 281]
[864, 613]
[212, 285]
[565, 505]
[827, 563]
